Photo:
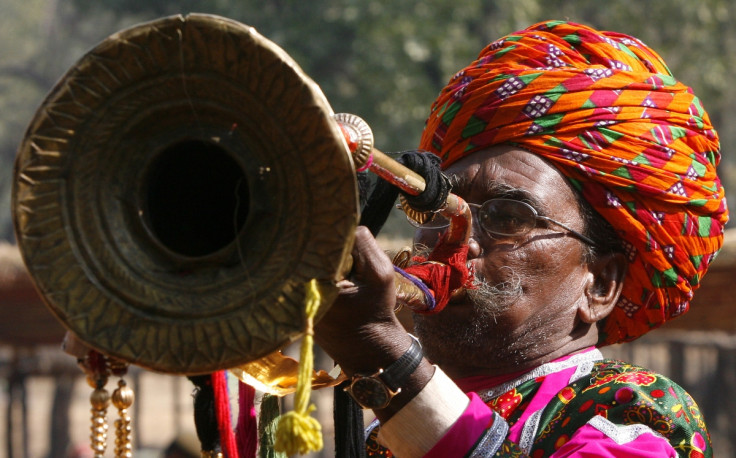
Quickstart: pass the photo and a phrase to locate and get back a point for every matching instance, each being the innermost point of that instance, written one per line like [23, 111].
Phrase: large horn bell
[176, 191]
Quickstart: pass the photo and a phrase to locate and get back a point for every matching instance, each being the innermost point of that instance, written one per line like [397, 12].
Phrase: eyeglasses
[503, 217]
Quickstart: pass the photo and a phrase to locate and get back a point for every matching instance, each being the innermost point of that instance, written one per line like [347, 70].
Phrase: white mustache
[494, 298]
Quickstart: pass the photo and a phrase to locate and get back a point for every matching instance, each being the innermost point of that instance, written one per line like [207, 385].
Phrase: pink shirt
[598, 438]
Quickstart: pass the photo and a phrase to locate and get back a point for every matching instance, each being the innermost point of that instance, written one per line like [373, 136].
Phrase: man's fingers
[371, 264]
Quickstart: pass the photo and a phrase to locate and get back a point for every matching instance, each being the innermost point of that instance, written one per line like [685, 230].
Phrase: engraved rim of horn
[177, 189]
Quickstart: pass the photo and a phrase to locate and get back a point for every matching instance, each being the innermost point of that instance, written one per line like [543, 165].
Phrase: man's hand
[361, 331]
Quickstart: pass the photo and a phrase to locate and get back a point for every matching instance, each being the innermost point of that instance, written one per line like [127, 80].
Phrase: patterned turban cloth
[636, 143]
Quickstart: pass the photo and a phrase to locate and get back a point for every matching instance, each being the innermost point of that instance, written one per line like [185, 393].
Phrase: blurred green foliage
[384, 61]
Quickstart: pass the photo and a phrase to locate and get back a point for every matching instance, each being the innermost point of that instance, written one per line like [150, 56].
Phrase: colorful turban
[606, 111]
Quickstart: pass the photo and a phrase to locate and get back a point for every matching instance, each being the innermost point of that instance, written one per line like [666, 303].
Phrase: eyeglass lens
[496, 216]
[507, 217]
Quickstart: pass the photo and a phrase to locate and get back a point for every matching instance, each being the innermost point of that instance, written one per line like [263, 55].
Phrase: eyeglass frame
[534, 211]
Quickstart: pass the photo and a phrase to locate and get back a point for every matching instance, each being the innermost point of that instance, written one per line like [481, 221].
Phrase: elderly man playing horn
[591, 174]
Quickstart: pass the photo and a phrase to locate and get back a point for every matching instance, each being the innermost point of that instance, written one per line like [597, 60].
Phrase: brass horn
[179, 187]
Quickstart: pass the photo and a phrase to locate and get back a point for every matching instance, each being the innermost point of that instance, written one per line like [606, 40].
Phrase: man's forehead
[508, 172]
[462, 183]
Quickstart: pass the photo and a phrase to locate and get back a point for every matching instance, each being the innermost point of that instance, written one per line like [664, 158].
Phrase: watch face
[370, 393]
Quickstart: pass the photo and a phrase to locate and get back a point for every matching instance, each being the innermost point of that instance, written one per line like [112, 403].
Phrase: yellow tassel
[297, 432]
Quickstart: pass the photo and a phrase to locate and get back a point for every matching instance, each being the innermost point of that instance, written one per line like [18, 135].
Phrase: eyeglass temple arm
[579, 235]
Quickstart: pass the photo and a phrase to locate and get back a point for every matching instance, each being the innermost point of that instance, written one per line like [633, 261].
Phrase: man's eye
[506, 220]
[500, 221]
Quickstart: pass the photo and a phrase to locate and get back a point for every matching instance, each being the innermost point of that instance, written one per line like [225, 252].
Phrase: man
[591, 175]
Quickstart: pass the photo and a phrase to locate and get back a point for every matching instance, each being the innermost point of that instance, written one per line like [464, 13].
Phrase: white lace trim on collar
[581, 359]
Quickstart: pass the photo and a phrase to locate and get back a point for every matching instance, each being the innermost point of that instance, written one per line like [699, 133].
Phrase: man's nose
[475, 250]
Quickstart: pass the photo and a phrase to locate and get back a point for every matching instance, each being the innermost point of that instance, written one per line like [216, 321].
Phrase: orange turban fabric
[606, 111]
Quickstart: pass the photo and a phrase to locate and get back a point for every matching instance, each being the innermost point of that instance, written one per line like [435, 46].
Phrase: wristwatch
[375, 391]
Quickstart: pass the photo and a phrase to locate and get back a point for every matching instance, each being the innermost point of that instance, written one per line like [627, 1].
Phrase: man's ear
[604, 286]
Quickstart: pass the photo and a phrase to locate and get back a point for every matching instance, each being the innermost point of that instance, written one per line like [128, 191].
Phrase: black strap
[381, 200]
[437, 186]
[376, 206]
[205, 418]
[349, 426]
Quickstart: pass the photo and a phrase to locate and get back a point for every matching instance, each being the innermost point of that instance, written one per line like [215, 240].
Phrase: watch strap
[395, 375]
